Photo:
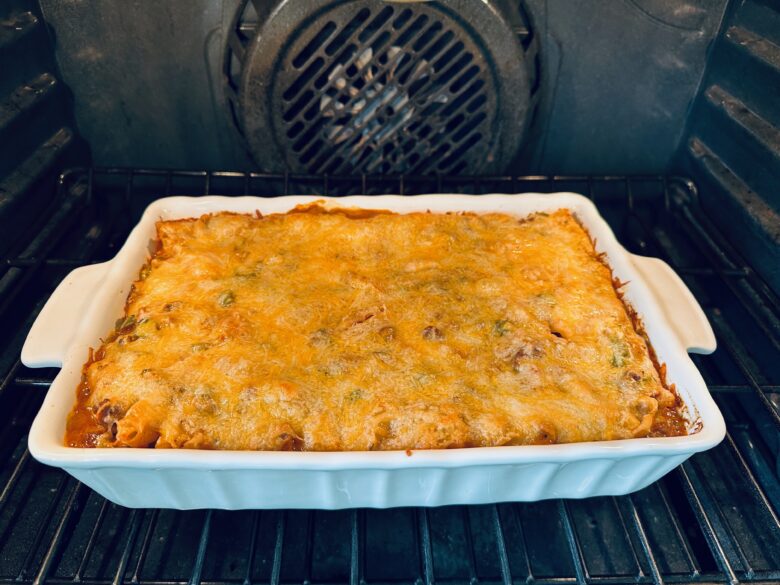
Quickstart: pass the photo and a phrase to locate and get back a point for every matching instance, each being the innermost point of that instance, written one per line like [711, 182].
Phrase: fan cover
[367, 86]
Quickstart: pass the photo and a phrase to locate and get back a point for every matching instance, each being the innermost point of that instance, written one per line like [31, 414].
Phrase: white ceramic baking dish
[85, 305]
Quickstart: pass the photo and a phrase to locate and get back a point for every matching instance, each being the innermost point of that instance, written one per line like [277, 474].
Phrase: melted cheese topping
[330, 331]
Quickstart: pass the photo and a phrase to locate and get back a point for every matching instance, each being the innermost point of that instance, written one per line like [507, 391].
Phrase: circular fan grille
[373, 87]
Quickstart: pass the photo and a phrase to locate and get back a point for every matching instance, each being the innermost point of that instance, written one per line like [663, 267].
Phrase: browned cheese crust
[345, 331]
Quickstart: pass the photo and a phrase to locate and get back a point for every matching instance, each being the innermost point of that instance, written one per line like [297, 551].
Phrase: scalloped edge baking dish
[86, 304]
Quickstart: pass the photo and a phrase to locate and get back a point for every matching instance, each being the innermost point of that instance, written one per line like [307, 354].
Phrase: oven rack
[714, 519]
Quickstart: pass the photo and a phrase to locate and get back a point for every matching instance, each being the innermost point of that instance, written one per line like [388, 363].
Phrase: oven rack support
[714, 519]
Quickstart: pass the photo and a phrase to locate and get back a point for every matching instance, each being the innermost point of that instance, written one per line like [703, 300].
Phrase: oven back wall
[617, 80]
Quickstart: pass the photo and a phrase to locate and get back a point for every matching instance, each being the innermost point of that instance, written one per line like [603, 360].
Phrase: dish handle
[53, 330]
[681, 308]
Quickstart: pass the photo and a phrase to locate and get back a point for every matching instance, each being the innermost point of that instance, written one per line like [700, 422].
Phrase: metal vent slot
[473, 123]
[476, 104]
[460, 151]
[410, 32]
[464, 79]
[449, 55]
[309, 50]
[360, 112]
[402, 19]
[453, 70]
[298, 106]
[295, 129]
[347, 31]
[423, 40]
[376, 24]
[464, 97]
[301, 82]
[440, 44]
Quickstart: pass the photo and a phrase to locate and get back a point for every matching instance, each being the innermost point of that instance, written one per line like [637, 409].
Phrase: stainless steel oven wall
[618, 80]
[37, 131]
[619, 77]
[732, 142]
[147, 80]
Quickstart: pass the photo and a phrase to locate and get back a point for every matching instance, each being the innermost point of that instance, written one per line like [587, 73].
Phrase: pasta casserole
[352, 330]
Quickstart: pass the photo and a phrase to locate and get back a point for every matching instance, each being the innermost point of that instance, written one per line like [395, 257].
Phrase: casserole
[89, 300]
[351, 330]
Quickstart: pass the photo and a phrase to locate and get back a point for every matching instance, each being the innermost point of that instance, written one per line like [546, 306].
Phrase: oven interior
[102, 110]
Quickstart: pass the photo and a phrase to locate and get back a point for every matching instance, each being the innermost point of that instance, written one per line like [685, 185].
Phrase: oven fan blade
[378, 148]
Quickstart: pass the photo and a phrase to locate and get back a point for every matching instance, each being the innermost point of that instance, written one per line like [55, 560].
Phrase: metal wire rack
[712, 520]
